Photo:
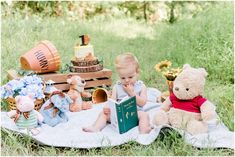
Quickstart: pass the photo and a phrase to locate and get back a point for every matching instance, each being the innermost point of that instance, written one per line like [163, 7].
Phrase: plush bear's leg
[177, 118]
[86, 105]
[160, 118]
[75, 108]
[196, 127]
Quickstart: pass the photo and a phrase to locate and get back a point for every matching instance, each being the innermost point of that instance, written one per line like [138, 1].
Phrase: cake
[84, 59]
[81, 52]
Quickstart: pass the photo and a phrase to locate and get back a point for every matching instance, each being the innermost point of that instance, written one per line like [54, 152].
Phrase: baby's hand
[129, 89]
[106, 110]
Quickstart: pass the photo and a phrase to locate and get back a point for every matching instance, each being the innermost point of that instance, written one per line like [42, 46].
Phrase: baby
[128, 69]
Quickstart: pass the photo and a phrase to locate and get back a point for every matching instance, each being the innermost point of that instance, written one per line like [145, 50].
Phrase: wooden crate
[93, 79]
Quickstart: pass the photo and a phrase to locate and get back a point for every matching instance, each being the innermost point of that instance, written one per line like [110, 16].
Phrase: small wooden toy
[76, 92]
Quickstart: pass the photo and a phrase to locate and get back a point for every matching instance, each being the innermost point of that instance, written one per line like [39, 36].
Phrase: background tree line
[148, 11]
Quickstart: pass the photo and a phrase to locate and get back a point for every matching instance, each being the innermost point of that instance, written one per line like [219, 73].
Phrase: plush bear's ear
[186, 66]
[69, 81]
[203, 72]
[31, 95]
[17, 98]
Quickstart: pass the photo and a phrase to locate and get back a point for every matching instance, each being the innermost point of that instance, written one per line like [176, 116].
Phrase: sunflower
[162, 65]
[171, 74]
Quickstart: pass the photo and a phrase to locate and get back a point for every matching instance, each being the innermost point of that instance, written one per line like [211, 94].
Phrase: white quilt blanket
[70, 134]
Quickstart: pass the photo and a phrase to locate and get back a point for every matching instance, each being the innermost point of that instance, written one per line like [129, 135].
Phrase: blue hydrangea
[6, 91]
[24, 86]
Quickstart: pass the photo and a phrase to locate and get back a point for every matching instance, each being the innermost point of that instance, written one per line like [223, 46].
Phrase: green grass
[204, 41]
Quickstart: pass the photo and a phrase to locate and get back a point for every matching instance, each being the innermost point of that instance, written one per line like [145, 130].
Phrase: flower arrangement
[24, 86]
[169, 73]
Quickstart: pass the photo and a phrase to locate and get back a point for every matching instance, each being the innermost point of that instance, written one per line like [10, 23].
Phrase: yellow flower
[162, 65]
[169, 73]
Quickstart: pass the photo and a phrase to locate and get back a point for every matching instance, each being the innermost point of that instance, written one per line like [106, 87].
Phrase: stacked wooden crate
[93, 79]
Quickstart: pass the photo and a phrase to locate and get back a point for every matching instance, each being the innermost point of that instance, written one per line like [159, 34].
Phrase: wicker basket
[12, 103]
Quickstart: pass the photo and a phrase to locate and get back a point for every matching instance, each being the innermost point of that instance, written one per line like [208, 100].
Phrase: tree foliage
[149, 11]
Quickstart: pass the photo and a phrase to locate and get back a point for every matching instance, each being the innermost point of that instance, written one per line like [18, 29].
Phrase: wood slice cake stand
[84, 66]
[76, 62]
[85, 69]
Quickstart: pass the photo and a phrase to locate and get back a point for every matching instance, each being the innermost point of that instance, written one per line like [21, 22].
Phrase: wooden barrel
[42, 58]
[100, 95]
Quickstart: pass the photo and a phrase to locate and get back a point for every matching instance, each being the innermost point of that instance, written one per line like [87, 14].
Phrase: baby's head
[127, 67]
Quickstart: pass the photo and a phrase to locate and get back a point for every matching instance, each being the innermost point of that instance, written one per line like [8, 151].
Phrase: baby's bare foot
[90, 129]
[146, 130]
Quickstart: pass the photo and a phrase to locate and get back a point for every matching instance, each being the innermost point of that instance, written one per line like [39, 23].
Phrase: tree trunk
[172, 14]
[145, 10]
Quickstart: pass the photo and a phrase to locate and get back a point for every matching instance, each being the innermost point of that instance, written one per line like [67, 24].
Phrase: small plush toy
[54, 110]
[26, 118]
[76, 92]
[185, 108]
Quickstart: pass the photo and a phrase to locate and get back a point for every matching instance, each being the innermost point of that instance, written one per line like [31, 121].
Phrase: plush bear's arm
[86, 94]
[11, 113]
[39, 116]
[208, 112]
[166, 104]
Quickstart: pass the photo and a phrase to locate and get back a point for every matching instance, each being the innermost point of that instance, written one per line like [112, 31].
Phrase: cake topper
[85, 39]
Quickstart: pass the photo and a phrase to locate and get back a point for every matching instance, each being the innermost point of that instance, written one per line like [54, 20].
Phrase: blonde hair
[122, 61]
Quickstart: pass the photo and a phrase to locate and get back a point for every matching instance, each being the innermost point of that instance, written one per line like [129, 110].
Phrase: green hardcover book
[124, 114]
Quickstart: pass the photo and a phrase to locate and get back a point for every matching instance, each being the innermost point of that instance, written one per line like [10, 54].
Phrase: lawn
[203, 41]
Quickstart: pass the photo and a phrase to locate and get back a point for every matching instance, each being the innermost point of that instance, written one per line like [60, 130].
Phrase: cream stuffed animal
[185, 108]
[76, 92]
[26, 117]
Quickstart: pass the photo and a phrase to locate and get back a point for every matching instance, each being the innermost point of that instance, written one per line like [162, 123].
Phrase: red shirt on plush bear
[192, 105]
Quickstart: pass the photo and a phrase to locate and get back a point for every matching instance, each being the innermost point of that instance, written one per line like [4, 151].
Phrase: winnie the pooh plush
[185, 108]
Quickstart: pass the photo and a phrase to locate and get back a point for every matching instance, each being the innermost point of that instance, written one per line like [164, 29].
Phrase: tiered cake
[84, 60]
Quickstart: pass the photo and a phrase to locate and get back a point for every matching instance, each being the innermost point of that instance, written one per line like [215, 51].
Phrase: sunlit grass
[126, 28]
